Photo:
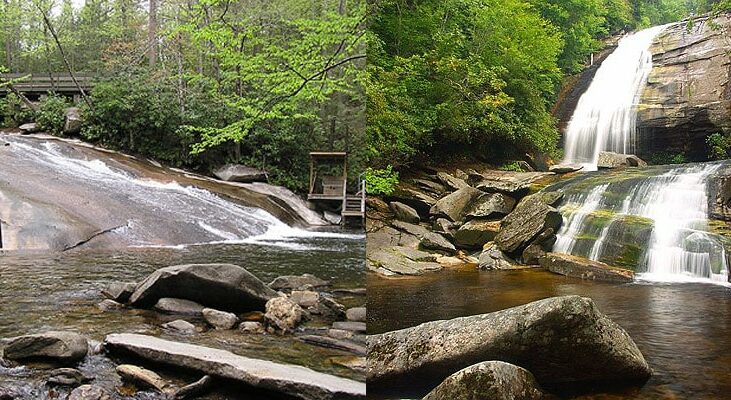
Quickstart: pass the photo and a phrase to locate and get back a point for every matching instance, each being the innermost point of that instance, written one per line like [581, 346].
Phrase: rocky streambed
[296, 317]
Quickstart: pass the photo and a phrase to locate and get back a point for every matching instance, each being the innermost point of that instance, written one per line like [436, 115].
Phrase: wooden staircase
[354, 205]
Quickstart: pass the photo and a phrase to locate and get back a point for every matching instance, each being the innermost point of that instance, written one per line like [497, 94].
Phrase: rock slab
[65, 347]
[579, 267]
[559, 339]
[296, 381]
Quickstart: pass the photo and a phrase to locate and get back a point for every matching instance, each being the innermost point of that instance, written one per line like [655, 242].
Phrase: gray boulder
[297, 282]
[223, 286]
[579, 267]
[451, 181]
[475, 233]
[220, 319]
[290, 380]
[67, 377]
[608, 159]
[404, 212]
[240, 173]
[435, 241]
[251, 327]
[494, 380]
[491, 205]
[456, 205]
[533, 254]
[62, 347]
[305, 298]
[492, 258]
[89, 392]
[72, 121]
[179, 306]
[565, 168]
[143, 378]
[119, 291]
[356, 314]
[180, 326]
[28, 128]
[398, 260]
[283, 315]
[530, 218]
[508, 182]
[559, 339]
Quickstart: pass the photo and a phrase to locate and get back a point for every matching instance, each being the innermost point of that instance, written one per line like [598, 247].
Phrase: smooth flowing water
[59, 291]
[653, 221]
[683, 330]
[605, 117]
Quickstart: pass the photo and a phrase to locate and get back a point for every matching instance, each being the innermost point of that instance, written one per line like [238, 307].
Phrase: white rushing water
[605, 116]
[680, 246]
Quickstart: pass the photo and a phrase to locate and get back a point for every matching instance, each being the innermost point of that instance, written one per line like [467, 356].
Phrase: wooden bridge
[36, 85]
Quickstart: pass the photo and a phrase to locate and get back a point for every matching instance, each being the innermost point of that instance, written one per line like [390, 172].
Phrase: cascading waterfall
[655, 222]
[605, 117]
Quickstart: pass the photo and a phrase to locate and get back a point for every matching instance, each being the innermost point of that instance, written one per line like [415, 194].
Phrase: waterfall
[606, 114]
[655, 222]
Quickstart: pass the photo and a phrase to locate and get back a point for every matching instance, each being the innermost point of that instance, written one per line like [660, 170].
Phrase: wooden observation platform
[36, 85]
[329, 185]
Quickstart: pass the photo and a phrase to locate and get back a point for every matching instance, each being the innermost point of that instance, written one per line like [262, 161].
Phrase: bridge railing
[44, 83]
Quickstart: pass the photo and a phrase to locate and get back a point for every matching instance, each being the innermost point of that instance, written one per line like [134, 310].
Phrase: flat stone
[356, 314]
[494, 380]
[305, 298]
[404, 212]
[350, 326]
[296, 381]
[67, 377]
[89, 392]
[508, 182]
[559, 339]
[491, 205]
[475, 233]
[220, 319]
[579, 267]
[389, 261]
[143, 378]
[240, 173]
[565, 168]
[179, 306]
[340, 334]
[180, 326]
[359, 364]
[451, 181]
[332, 343]
[64, 347]
[31, 127]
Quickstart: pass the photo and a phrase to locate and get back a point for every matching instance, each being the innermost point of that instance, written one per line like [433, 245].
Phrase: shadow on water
[684, 329]
[60, 291]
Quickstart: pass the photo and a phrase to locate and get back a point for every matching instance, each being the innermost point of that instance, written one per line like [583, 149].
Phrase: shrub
[14, 113]
[511, 166]
[381, 181]
[50, 115]
[718, 146]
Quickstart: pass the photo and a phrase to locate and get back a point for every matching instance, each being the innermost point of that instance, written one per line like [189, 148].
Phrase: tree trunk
[152, 33]
[8, 44]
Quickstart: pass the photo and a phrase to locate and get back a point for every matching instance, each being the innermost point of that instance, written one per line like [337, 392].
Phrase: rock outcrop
[559, 339]
[240, 173]
[290, 380]
[688, 95]
[579, 267]
[494, 380]
[608, 159]
[534, 220]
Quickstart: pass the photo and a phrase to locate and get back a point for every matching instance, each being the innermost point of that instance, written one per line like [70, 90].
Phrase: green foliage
[664, 158]
[13, 112]
[511, 166]
[50, 115]
[381, 181]
[719, 146]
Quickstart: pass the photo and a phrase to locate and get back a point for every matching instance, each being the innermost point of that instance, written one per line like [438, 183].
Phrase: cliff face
[688, 95]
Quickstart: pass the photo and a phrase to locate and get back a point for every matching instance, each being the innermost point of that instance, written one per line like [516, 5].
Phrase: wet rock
[475, 233]
[443, 226]
[297, 282]
[494, 380]
[223, 286]
[491, 205]
[530, 218]
[8, 394]
[119, 292]
[220, 319]
[351, 292]
[451, 181]
[109, 305]
[356, 314]
[282, 314]
[350, 326]
[330, 308]
[719, 194]
[28, 128]
[295, 381]
[450, 261]
[493, 258]
[532, 254]
[508, 182]
[89, 392]
[67, 377]
[435, 241]
[72, 121]
[358, 364]
[194, 389]
[332, 343]
[608, 159]
[63, 347]
[240, 173]
[579, 267]
[251, 327]
[455, 206]
[180, 326]
[305, 298]
[559, 339]
[170, 305]
[340, 334]
[565, 168]
[404, 212]
[332, 218]
[256, 316]
[143, 378]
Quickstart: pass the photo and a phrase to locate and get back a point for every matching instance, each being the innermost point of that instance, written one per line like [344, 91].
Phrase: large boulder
[508, 182]
[608, 159]
[119, 291]
[240, 173]
[455, 206]
[290, 380]
[579, 267]
[221, 286]
[397, 260]
[404, 212]
[58, 346]
[475, 233]
[494, 380]
[72, 121]
[559, 339]
[530, 218]
[491, 205]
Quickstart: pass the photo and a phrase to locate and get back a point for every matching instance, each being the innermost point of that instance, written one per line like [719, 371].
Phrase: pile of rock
[446, 218]
[550, 342]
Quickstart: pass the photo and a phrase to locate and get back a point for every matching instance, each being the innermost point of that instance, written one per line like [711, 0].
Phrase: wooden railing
[45, 83]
